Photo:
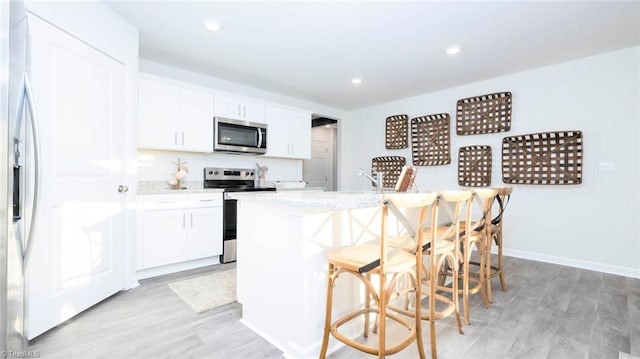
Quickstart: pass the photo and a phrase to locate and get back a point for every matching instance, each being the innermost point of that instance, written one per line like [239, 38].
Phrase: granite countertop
[162, 187]
[317, 189]
[324, 200]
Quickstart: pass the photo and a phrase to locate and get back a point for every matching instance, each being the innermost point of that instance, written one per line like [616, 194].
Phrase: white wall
[592, 225]
[156, 165]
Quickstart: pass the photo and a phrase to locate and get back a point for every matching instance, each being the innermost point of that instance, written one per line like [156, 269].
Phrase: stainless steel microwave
[232, 135]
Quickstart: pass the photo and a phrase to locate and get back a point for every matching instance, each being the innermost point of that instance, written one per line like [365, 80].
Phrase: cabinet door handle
[184, 220]
[183, 138]
[191, 220]
[244, 111]
[239, 113]
[175, 137]
[293, 151]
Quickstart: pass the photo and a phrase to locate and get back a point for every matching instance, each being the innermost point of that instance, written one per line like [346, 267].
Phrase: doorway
[320, 170]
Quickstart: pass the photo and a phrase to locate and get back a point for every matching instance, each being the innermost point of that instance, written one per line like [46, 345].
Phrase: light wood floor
[550, 311]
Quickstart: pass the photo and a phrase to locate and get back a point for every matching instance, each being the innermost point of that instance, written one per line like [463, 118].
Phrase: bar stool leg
[454, 293]
[327, 317]
[503, 283]
[482, 278]
[418, 313]
[465, 288]
[367, 306]
[488, 269]
[382, 340]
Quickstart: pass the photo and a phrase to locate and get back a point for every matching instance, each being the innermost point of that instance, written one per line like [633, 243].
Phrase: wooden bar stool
[440, 247]
[388, 264]
[474, 234]
[502, 199]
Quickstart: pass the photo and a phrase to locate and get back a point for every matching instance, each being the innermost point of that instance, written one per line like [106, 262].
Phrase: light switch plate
[606, 167]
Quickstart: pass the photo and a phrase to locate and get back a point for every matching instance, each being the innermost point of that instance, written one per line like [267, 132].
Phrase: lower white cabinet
[178, 228]
[201, 229]
[164, 238]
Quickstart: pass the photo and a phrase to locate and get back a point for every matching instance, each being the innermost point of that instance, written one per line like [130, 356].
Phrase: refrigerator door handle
[36, 168]
[18, 126]
[16, 162]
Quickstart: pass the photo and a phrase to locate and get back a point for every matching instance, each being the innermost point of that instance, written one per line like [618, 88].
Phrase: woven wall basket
[396, 129]
[489, 113]
[548, 158]
[474, 166]
[390, 166]
[431, 140]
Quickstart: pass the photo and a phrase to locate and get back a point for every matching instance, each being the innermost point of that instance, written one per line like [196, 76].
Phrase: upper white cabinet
[240, 109]
[174, 117]
[289, 132]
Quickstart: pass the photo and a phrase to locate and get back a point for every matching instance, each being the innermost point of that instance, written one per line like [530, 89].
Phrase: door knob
[123, 189]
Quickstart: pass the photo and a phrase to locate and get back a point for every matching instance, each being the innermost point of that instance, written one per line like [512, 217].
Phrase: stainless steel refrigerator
[17, 178]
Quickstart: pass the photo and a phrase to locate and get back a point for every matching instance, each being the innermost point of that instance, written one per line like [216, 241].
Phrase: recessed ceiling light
[212, 25]
[453, 49]
[356, 81]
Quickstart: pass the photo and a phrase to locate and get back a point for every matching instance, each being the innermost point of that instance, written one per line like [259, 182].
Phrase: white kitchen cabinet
[174, 117]
[178, 228]
[203, 222]
[240, 109]
[195, 115]
[164, 237]
[289, 132]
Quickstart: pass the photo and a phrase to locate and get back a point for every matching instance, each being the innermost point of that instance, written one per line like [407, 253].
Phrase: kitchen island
[283, 240]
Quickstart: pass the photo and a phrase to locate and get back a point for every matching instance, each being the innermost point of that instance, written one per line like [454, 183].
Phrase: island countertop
[319, 200]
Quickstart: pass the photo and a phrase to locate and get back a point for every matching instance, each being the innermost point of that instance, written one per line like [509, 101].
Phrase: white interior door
[78, 252]
[319, 171]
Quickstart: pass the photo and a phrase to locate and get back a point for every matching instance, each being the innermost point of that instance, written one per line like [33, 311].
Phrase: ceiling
[311, 50]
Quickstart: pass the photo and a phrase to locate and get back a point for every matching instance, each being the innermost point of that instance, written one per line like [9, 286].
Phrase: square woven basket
[547, 158]
[474, 166]
[390, 166]
[396, 129]
[489, 113]
[431, 140]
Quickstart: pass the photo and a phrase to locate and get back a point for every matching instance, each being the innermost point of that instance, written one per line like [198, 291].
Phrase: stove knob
[246, 174]
[216, 173]
[252, 173]
[210, 172]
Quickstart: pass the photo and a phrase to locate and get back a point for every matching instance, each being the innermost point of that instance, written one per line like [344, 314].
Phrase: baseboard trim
[176, 267]
[571, 262]
[292, 351]
[289, 347]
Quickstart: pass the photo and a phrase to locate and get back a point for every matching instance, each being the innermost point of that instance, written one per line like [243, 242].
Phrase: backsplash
[158, 165]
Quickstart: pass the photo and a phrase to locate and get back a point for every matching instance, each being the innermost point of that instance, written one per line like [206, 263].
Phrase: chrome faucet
[378, 181]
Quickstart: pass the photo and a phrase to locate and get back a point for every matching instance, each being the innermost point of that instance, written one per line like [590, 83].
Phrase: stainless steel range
[231, 180]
